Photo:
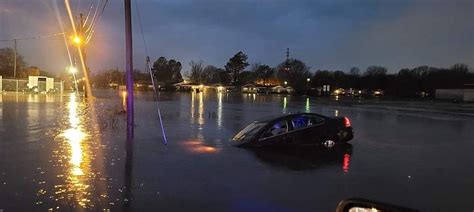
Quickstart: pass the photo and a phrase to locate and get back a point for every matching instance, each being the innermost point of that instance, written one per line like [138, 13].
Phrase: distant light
[308, 79]
[72, 70]
[285, 82]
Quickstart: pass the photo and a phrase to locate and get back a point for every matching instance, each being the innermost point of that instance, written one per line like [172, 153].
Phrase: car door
[275, 134]
[299, 129]
[317, 129]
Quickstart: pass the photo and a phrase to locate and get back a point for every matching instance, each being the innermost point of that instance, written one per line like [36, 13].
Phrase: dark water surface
[61, 153]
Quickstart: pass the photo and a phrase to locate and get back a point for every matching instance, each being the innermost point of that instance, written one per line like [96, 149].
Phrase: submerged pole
[129, 66]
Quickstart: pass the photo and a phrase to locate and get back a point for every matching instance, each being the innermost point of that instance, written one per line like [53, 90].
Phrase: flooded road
[61, 153]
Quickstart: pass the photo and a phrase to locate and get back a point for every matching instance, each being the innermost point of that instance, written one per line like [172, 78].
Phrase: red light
[346, 162]
[347, 122]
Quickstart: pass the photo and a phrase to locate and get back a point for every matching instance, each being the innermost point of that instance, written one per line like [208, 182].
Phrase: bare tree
[197, 70]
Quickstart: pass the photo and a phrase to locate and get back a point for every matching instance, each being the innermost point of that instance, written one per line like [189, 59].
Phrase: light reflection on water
[75, 152]
[219, 110]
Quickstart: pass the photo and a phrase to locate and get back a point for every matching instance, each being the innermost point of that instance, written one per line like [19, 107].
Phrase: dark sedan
[296, 129]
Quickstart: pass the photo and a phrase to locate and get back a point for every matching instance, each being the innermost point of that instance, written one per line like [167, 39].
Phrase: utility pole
[287, 68]
[14, 60]
[129, 66]
[82, 54]
[14, 66]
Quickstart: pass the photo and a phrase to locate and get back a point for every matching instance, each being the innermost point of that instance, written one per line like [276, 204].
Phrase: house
[249, 88]
[281, 89]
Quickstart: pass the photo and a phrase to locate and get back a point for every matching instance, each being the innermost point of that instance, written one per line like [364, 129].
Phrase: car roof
[278, 117]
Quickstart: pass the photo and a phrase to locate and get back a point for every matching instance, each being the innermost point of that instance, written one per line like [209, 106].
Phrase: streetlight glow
[285, 82]
[72, 70]
[308, 79]
[77, 40]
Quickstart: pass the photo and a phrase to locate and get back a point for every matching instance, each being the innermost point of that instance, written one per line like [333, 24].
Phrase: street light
[76, 39]
[286, 83]
[308, 79]
[72, 70]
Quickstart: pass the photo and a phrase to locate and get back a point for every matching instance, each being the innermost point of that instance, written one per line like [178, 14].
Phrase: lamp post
[308, 85]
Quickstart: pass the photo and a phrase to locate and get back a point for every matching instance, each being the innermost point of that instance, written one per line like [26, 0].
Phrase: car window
[315, 120]
[300, 122]
[249, 130]
[277, 128]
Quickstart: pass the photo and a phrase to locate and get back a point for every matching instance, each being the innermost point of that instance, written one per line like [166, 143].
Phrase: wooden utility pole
[129, 66]
[14, 60]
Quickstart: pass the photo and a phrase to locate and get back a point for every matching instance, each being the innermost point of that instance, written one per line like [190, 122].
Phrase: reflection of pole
[129, 66]
[128, 172]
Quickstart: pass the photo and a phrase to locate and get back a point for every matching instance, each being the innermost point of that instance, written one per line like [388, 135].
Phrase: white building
[44, 84]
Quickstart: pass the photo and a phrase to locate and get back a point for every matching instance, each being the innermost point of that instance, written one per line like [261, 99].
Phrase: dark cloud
[325, 34]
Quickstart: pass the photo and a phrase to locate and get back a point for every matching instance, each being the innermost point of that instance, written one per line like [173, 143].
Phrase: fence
[21, 85]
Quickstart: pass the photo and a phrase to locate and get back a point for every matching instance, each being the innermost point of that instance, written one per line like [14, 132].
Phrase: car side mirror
[363, 205]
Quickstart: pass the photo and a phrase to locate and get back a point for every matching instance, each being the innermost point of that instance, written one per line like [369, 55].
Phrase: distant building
[281, 89]
[40, 83]
[466, 95]
[249, 88]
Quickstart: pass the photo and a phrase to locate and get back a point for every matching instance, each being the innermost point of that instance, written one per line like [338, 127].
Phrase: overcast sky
[325, 34]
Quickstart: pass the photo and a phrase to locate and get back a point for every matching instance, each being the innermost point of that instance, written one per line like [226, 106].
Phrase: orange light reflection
[196, 146]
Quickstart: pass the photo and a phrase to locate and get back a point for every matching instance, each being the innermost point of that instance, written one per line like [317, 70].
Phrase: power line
[141, 27]
[33, 37]
[148, 67]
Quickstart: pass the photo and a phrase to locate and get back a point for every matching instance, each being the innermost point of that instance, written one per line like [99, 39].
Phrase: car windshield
[251, 129]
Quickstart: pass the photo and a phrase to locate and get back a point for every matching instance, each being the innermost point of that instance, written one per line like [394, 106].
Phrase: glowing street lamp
[76, 39]
[286, 83]
[72, 70]
[308, 79]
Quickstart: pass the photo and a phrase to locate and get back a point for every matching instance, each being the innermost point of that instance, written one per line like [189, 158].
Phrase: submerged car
[296, 129]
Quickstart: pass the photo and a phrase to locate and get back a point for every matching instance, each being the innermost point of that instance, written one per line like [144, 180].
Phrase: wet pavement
[61, 153]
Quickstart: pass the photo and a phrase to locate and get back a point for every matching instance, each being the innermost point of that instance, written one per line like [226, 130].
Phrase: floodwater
[61, 153]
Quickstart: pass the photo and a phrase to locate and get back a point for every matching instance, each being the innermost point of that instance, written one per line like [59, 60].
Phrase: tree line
[7, 63]
[237, 71]
[405, 83]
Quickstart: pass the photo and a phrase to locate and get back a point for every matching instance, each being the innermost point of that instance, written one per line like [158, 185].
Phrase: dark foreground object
[295, 129]
[360, 205]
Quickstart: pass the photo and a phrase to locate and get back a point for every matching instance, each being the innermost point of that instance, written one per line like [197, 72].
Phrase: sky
[325, 34]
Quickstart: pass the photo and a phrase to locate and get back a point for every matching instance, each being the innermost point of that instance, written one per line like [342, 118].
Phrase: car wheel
[329, 143]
